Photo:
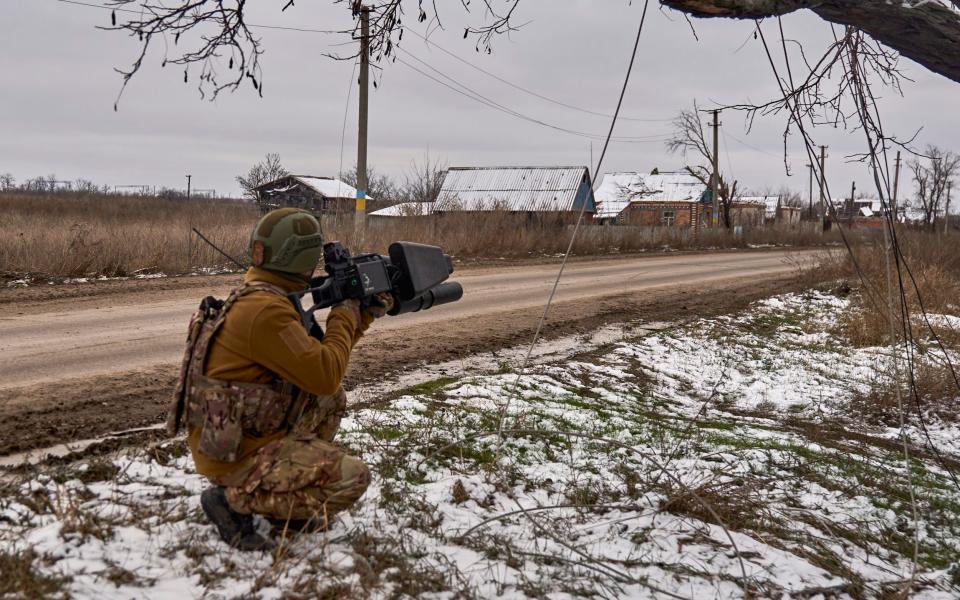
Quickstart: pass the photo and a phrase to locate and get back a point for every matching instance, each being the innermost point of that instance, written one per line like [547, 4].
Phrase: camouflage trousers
[302, 475]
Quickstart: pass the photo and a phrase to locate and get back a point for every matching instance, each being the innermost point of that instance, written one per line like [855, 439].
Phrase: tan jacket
[261, 340]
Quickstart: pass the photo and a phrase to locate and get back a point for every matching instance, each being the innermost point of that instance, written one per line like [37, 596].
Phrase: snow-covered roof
[515, 189]
[328, 187]
[404, 209]
[617, 190]
[770, 202]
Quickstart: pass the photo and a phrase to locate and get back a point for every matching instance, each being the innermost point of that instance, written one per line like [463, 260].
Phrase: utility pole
[715, 177]
[361, 203]
[896, 187]
[823, 179]
[810, 187]
[189, 233]
[850, 206]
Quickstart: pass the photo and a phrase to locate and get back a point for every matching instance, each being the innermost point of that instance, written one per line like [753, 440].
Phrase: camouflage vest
[225, 411]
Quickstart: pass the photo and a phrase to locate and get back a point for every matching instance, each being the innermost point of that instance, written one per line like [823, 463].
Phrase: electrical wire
[343, 130]
[478, 97]
[523, 89]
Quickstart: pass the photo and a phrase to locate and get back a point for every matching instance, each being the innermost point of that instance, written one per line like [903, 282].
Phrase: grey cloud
[56, 109]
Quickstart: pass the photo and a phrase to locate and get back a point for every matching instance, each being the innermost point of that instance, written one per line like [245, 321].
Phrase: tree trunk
[924, 31]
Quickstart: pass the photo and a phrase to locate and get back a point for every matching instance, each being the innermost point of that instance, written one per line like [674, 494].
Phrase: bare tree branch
[689, 137]
[926, 31]
[209, 33]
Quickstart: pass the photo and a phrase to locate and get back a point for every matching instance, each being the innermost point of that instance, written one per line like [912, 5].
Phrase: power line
[525, 90]
[466, 91]
[752, 147]
[343, 130]
[478, 97]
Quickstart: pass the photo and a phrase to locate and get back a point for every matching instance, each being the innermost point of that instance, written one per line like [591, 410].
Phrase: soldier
[262, 399]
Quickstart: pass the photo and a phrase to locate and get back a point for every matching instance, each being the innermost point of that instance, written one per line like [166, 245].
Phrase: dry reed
[115, 236]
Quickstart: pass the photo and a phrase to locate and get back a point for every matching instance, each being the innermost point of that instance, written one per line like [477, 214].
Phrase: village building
[543, 193]
[538, 193]
[319, 195]
[652, 200]
[775, 211]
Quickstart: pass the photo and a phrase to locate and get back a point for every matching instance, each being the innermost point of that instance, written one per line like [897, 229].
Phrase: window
[668, 218]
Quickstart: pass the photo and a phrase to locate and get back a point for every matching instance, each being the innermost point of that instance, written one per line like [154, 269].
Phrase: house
[652, 199]
[319, 195]
[749, 212]
[775, 211]
[537, 192]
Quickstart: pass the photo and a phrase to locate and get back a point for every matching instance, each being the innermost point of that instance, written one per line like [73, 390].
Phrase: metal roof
[404, 209]
[512, 188]
[770, 202]
[617, 190]
[328, 187]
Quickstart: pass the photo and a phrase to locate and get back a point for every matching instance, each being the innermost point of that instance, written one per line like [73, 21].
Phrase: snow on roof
[404, 209]
[328, 187]
[617, 190]
[771, 203]
[513, 189]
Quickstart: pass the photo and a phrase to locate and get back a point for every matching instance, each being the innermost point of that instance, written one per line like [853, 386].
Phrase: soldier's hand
[352, 306]
[382, 303]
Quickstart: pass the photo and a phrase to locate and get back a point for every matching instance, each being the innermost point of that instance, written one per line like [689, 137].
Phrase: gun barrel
[444, 293]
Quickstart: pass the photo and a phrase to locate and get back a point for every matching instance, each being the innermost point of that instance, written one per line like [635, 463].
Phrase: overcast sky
[56, 103]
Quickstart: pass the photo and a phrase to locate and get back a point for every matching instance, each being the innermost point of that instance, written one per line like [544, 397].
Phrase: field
[745, 424]
[724, 457]
[94, 236]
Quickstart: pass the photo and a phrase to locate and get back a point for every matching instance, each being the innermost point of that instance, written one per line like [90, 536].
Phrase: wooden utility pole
[715, 177]
[810, 187]
[851, 205]
[361, 203]
[189, 177]
[823, 179]
[896, 187]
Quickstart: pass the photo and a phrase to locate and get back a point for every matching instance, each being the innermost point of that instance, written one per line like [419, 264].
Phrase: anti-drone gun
[414, 274]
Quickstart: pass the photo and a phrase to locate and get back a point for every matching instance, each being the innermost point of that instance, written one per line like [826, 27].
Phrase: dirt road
[77, 365]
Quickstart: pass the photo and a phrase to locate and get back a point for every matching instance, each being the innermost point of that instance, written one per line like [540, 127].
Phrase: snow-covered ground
[712, 459]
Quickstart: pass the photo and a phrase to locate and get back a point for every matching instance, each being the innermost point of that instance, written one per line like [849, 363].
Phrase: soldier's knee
[355, 476]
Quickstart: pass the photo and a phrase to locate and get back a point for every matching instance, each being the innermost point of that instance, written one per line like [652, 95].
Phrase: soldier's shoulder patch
[295, 338]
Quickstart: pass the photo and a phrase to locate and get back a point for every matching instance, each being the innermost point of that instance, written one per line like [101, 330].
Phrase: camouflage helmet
[287, 240]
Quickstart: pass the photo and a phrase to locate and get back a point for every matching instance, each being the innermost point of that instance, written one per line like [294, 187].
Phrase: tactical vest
[225, 411]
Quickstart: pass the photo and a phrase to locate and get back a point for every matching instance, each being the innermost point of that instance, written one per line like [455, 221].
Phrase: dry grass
[934, 261]
[20, 577]
[83, 236]
[116, 236]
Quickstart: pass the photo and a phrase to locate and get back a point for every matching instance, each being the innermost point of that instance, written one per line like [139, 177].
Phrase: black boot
[312, 525]
[235, 529]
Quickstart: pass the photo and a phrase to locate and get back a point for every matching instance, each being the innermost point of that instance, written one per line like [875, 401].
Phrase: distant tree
[260, 173]
[85, 186]
[423, 181]
[170, 193]
[689, 140]
[39, 185]
[7, 182]
[789, 197]
[379, 187]
[932, 175]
